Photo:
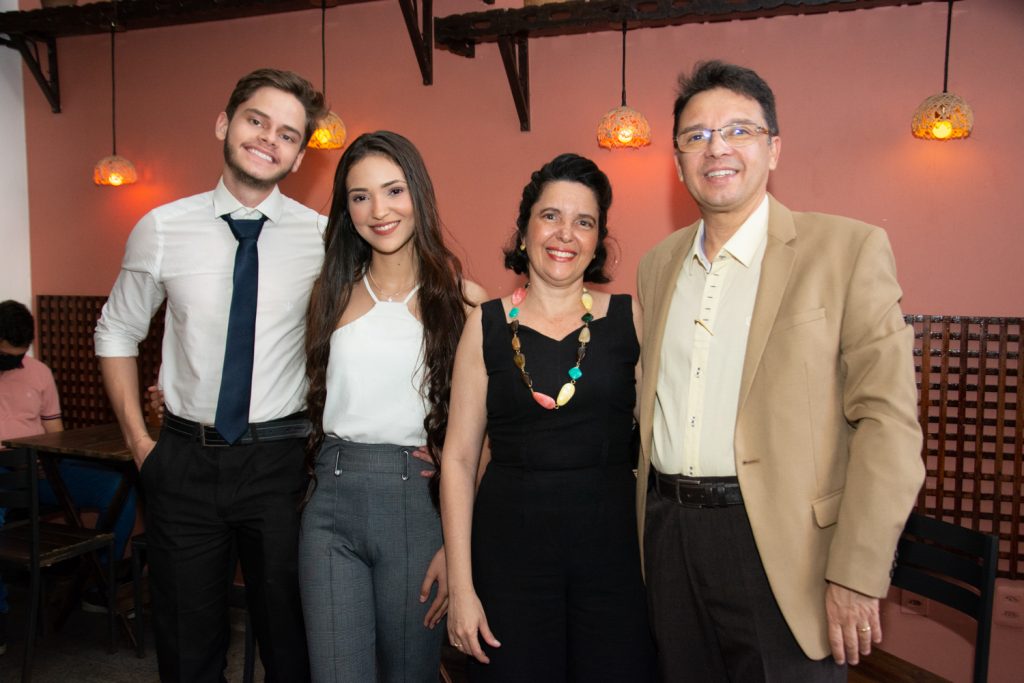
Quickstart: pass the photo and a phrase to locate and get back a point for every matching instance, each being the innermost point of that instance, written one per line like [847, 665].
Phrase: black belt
[295, 426]
[707, 492]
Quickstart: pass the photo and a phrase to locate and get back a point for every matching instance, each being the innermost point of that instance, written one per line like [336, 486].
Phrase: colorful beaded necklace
[568, 389]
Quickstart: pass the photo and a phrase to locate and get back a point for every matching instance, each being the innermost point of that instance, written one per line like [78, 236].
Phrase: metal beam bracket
[28, 47]
[422, 40]
[515, 55]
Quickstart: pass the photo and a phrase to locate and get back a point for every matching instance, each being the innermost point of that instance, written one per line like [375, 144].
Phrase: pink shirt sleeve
[50, 403]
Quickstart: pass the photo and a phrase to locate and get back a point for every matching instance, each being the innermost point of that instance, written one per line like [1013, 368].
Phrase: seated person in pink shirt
[29, 405]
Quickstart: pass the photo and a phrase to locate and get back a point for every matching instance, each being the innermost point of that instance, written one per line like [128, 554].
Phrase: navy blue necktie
[232, 419]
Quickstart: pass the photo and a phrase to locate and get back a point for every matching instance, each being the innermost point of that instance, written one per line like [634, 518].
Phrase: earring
[522, 246]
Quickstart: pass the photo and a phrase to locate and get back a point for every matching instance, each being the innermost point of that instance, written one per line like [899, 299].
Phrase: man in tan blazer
[778, 411]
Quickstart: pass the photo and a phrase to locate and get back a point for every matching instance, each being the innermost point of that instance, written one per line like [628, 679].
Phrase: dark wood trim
[458, 32]
[28, 48]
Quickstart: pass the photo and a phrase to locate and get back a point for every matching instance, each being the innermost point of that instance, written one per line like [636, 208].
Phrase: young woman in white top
[384, 321]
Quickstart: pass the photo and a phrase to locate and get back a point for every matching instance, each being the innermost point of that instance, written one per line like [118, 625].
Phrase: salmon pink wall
[846, 83]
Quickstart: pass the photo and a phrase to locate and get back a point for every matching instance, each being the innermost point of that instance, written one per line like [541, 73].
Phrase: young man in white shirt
[210, 492]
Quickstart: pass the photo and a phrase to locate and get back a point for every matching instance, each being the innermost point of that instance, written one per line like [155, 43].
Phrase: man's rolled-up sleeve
[136, 296]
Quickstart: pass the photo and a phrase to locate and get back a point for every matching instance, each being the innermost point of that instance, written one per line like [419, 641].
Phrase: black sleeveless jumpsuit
[555, 556]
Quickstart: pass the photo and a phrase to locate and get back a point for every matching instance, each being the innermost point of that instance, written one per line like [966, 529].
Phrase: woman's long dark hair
[441, 300]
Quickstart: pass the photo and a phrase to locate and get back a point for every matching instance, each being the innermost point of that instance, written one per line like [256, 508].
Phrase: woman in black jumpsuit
[550, 577]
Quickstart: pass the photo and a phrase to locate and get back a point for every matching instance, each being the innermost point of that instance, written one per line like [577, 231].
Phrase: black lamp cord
[323, 46]
[623, 63]
[949, 27]
[113, 84]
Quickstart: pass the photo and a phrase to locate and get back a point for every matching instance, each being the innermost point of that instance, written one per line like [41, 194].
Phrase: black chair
[236, 598]
[955, 566]
[32, 545]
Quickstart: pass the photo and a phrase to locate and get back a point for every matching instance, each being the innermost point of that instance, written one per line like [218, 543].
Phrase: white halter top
[375, 374]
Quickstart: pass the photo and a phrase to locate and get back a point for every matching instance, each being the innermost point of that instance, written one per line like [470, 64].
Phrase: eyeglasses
[734, 135]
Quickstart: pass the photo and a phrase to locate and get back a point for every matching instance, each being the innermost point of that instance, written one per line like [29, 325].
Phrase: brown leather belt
[706, 492]
[295, 426]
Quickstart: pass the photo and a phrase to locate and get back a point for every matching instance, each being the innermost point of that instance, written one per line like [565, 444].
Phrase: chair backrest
[19, 490]
[955, 566]
[18, 479]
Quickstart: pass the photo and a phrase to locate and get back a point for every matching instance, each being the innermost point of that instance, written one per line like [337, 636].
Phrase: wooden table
[102, 445]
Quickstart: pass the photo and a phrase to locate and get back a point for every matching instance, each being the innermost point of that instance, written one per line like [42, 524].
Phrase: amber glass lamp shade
[114, 171]
[943, 117]
[623, 127]
[329, 134]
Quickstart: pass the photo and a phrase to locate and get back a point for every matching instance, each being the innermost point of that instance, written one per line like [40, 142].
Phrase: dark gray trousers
[368, 535]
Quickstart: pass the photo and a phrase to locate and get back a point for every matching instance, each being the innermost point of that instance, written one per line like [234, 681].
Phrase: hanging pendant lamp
[114, 170]
[944, 116]
[330, 131]
[623, 127]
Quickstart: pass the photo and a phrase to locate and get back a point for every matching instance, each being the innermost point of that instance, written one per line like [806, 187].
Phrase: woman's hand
[423, 454]
[155, 405]
[437, 572]
[466, 619]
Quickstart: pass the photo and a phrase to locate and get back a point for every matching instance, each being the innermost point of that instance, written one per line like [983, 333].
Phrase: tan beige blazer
[827, 439]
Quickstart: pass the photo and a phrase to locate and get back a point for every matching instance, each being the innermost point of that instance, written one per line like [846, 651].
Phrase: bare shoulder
[474, 326]
[469, 353]
[638, 310]
[638, 316]
[473, 293]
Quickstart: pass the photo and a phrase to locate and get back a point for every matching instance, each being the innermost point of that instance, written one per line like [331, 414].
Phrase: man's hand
[141, 447]
[121, 380]
[853, 623]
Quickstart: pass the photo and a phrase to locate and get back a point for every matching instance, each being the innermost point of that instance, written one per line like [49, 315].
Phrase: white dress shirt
[702, 353]
[184, 252]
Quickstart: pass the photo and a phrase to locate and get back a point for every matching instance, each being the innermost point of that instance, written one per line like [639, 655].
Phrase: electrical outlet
[912, 603]
[1008, 609]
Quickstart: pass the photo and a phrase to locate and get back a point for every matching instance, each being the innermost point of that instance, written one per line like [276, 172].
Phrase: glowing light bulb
[942, 129]
[115, 179]
[625, 135]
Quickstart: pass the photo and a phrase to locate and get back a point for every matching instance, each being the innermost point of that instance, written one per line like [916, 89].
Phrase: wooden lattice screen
[64, 342]
[971, 411]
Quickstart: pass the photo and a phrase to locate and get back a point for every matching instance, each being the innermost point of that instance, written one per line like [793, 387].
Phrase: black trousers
[203, 504]
[712, 609]
[556, 565]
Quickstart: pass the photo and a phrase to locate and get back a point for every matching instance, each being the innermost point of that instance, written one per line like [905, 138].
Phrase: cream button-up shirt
[702, 354]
